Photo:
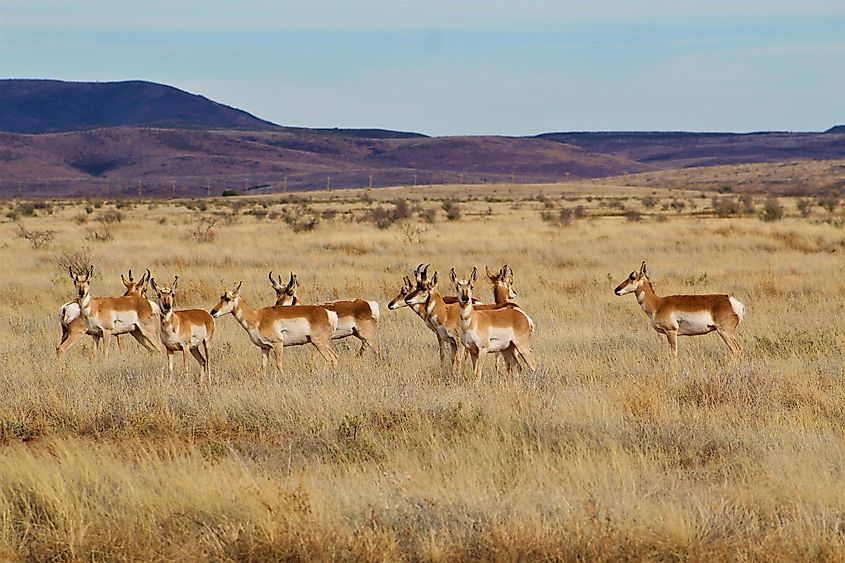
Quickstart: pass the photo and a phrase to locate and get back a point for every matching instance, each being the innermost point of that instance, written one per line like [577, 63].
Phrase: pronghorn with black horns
[355, 317]
[73, 325]
[273, 328]
[686, 315]
[107, 316]
[184, 330]
[504, 329]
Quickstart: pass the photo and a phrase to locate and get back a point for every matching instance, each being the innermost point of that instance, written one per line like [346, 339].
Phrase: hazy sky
[458, 67]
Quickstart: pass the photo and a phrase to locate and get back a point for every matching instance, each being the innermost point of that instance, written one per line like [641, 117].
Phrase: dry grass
[608, 452]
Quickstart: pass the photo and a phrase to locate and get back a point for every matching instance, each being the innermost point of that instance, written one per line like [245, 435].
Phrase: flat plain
[609, 451]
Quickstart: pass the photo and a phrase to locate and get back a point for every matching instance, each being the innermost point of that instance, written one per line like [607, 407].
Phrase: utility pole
[415, 180]
[139, 188]
[328, 182]
[370, 185]
[173, 190]
[285, 188]
[208, 188]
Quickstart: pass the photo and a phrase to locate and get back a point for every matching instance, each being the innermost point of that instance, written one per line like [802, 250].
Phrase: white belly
[499, 338]
[345, 327]
[293, 332]
[690, 324]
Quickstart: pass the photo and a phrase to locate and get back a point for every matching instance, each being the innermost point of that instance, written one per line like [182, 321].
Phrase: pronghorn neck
[646, 297]
[435, 307]
[244, 314]
[168, 318]
[467, 314]
[85, 304]
[500, 294]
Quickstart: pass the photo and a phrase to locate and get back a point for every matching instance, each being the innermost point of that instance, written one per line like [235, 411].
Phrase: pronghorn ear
[272, 281]
[90, 271]
[474, 275]
[425, 272]
[453, 275]
[127, 284]
[510, 273]
[433, 281]
[504, 271]
[153, 284]
[294, 281]
[146, 275]
[237, 290]
[643, 269]
[490, 275]
[72, 275]
[418, 273]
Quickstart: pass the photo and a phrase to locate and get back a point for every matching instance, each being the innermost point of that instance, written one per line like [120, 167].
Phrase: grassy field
[609, 451]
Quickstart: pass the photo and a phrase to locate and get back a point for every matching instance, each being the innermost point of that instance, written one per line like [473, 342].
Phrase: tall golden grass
[609, 451]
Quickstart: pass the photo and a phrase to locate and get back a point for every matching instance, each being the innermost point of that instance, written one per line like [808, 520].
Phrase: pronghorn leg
[277, 352]
[479, 363]
[69, 338]
[185, 363]
[527, 355]
[496, 359]
[265, 358]
[170, 364]
[363, 340]
[207, 361]
[325, 350]
[97, 338]
[511, 363]
[672, 337]
[455, 359]
[442, 350]
[120, 344]
[106, 342]
[151, 336]
[195, 352]
[732, 342]
[474, 357]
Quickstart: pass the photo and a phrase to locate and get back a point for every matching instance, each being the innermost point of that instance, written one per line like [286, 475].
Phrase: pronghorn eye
[633, 276]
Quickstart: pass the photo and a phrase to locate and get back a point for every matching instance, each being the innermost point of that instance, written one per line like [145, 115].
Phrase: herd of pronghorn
[459, 322]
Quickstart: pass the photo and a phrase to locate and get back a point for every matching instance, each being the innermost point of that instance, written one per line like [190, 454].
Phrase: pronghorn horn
[642, 268]
[153, 284]
[131, 279]
[293, 282]
[490, 274]
[273, 282]
[175, 281]
[473, 275]
[70, 271]
[91, 271]
[124, 280]
[238, 288]
[453, 274]
[425, 272]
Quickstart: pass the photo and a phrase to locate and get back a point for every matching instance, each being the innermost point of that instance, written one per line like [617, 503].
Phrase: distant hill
[84, 138]
[43, 106]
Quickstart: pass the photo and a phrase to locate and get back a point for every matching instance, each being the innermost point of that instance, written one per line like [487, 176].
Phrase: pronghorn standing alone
[107, 316]
[355, 317]
[686, 315]
[73, 325]
[184, 330]
[505, 329]
[277, 327]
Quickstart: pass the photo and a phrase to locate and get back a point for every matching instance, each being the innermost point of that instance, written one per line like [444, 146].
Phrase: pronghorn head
[227, 301]
[464, 286]
[422, 291]
[285, 294]
[503, 281]
[136, 287]
[166, 295]
[633, 282]
[82, 280]
[405, 290]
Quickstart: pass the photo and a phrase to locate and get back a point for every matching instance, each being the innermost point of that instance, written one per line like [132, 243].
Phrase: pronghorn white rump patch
[738, 307]
[332, 319]
[69, 312]
[156, 309]
[374, 309]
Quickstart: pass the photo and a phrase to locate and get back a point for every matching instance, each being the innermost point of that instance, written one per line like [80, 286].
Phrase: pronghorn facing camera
[502, 282]
[73, 325]
[184, 330]
[505, 329]
[686, 315]
[355, 317]
[273, 328]
[107, 316]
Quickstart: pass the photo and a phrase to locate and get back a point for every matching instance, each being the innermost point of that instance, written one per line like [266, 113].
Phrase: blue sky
[451, 67]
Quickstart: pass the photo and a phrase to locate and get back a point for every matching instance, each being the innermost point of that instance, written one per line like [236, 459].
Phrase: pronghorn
[276, 327]
[184, 330]
[686, 315]
[73, 325]
[107, 316]
[443, 317]
[355, 317]
[503, 290]
[505, 329]
[397, 302]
